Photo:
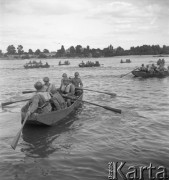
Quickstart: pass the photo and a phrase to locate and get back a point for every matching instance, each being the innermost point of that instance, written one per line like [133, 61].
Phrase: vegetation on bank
[79, 51]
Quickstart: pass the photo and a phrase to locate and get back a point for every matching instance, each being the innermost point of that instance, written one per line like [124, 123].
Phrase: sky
[48, 24]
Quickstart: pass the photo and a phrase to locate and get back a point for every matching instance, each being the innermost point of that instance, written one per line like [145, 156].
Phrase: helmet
[76, 74]
[64, 75]
[38, 85]
[46, 79]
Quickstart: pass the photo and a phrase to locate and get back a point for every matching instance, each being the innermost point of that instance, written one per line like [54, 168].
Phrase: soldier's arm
[34, 104]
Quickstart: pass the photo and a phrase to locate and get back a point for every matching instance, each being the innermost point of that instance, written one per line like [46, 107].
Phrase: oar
[8, 103]
[128, 73]
[111, 94]
[105, 107]
[16, 139]
[25, 92]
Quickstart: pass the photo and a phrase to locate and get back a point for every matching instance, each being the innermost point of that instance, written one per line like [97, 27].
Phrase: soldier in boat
[47, 85]
[57, 100]
[77, 82]
[142, 68]
[64, 76]
[67, 89]
[38, 104]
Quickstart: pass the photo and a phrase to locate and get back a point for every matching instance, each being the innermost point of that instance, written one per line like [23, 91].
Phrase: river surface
[81, 147]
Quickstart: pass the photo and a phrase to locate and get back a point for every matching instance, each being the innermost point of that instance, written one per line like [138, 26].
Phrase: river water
[82, 146]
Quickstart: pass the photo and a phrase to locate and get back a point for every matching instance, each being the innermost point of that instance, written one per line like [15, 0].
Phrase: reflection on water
[39, 141]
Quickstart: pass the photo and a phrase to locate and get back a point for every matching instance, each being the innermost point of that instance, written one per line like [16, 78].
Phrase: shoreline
[48, 58]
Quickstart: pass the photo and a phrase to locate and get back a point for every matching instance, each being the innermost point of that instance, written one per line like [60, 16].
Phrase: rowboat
[89, 65]
[144, 74]
[65, 63]
[36, 66]
[54, 117]
[127, 61]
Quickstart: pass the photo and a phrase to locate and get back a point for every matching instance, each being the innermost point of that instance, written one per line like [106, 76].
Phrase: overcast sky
[97, 23]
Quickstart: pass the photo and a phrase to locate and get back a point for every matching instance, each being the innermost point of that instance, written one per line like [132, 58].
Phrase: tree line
[79, 51]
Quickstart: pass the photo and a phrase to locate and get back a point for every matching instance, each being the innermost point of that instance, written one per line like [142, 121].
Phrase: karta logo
[116, 172]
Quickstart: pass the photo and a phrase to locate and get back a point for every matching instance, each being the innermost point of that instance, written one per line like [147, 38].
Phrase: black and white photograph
[84, 89]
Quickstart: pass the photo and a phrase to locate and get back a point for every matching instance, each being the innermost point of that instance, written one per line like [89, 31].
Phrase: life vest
[65, 89]
[46, 95]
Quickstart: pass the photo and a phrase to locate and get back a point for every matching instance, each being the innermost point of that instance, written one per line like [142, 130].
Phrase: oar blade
[16, 139]
[7, 103]
[113, 109]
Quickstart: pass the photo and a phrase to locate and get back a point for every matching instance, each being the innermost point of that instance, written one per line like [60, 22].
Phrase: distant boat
[34, 64]
[127, 61]
[90, 64]
[161, 55]
[65, 63]
[144, 74]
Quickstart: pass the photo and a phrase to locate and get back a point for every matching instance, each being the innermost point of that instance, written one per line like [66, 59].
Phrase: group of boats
[54, 117]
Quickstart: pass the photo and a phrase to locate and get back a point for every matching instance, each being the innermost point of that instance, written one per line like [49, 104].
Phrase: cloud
[43, 7]
[40, 22]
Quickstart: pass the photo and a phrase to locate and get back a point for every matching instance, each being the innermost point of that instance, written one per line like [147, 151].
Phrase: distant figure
[147, 68]
[142, 68]
[77, 82]
[159, 62]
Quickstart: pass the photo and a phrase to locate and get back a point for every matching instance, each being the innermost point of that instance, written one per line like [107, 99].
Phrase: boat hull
[148, 75]
[36, 67]
[80, 65]
[54, 117]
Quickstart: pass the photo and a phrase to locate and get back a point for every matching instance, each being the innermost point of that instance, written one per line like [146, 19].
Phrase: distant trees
[37, 52]
[20, 49]
[30, 51]
[45, 51]
[11, 49]
[119, 51]
[61, 52]
[79, 51]
[108, 52]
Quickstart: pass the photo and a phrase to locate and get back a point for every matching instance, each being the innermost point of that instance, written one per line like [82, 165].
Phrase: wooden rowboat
[54, 117]
[144, 74]
[36, 66]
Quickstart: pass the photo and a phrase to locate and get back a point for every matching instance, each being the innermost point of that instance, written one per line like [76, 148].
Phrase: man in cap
[38, 104]
[77, 82]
